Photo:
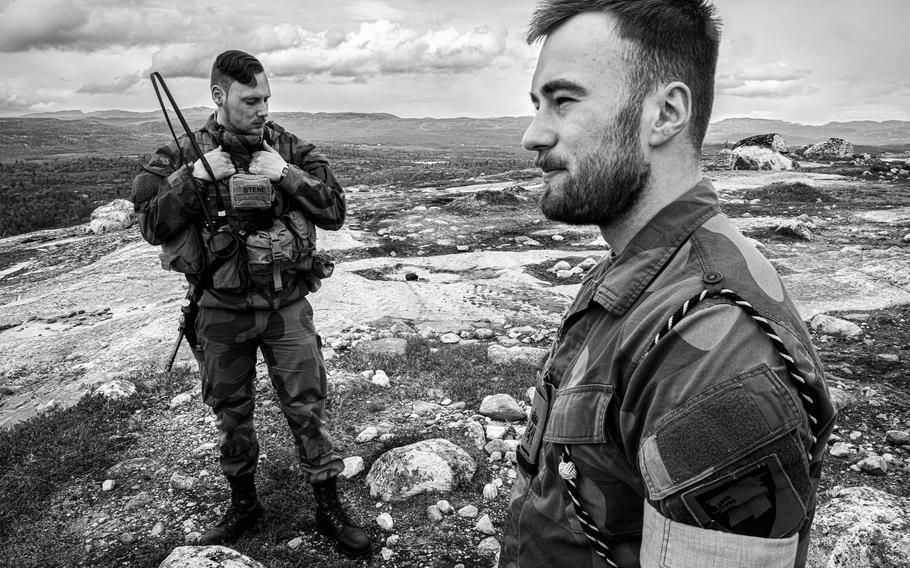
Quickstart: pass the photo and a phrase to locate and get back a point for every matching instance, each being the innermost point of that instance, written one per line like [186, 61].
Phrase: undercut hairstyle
[671, 40]
[234, 65]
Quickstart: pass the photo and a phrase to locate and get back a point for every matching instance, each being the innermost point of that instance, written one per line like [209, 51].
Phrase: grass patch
[47, 461]
[790, 192]
[463, 372]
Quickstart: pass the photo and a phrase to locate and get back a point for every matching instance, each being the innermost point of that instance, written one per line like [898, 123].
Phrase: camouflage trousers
[292, 351]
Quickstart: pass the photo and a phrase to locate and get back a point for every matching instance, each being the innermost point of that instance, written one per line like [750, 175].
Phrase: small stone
[204, 448]
[116, 390]
[380, 378]
[490, 491]
[563, 274]
[898, 437]
[587, 264]
[496, 431]
[385, 521]
[353, 466]
[401, 328]
[368, 434]
[444, 507]
[368, 374]
[841, 450]
[511, 457]
[295, 543]
[192, 537]
[874, 465]
[856, 435]
[889, 357]
[181, 482]
[386, 553]
[157, 530]
[485, 525]
[392, 540]
[496, 456]
[489, 546]
[496, 445]
[468, 512]
[108, 485]
[561, 265]
[501, 407]
[410, 277]
[484, 333]
[126, 538]
[450, 338]
[558, 238]
[180, 400]
[462, 248]
[434, 514]
[829, 325]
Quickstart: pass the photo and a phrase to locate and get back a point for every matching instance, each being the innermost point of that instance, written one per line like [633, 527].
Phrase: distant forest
[63, 191]
[47, 194]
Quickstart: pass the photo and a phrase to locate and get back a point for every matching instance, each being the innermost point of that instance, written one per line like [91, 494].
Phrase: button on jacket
[706, 430]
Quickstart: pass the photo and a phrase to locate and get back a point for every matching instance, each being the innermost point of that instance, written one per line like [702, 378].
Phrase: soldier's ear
[218, 94]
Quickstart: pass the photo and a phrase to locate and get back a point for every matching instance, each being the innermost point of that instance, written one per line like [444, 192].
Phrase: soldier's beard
[610, 180]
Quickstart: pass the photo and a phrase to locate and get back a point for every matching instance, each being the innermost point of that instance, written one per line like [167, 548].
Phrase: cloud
[119, 85]
[384, 47]
[767, 80]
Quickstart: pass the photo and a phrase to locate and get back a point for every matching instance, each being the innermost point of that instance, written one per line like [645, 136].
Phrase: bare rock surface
[116, 215]
[861, 527]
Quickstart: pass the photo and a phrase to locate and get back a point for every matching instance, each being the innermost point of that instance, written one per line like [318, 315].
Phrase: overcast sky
[808, 61]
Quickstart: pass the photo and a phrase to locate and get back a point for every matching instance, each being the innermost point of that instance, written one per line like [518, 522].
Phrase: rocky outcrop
[762, 152]
[830, 149]
[116, 215]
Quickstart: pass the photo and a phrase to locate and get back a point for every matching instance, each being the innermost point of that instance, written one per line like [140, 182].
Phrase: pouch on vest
[528, 453]
[250, 192]
[305, 232]
[229, 275]
[270, 253]
[183, 253]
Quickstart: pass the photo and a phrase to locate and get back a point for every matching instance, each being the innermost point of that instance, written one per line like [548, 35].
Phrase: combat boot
[332, 520]
[241, 516]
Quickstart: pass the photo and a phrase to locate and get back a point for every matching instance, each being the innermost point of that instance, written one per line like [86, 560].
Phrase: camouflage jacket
[707, 428]
[173, 204]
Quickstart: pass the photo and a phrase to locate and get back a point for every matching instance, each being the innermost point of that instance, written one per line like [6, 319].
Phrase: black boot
[241, 516]
[333, 521]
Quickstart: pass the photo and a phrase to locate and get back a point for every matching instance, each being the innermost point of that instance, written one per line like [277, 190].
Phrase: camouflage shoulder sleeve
[310, 183]
[164, 195]
[720, 435]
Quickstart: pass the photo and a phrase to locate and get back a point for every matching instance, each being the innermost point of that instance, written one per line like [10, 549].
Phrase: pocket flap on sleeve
[578, 415]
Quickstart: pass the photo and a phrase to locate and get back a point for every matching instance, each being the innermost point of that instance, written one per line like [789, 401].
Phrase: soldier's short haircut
[671, 40]
[234, 65]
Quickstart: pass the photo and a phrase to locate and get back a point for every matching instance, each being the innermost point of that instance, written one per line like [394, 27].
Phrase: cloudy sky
[809, 61]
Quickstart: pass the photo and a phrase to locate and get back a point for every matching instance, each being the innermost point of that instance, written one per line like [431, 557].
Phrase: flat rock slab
[896, 216]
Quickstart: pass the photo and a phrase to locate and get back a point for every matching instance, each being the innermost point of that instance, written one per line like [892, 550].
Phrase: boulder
[208, 557]
[861, 527]
[762, 152]
[500, 355]
[116, 215]
[430, 465]
[501, 407]
[773, 142]
[129, 467]
[829, 325]
[841, 398]
[830, 149]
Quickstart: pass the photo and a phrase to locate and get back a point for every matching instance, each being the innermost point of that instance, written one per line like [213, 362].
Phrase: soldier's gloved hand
[268, 163]
[221, 164]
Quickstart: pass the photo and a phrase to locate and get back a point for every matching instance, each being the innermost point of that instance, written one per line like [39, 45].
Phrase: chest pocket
[578, 415]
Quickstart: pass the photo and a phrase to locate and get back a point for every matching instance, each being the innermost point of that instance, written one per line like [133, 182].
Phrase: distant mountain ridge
[384, 128]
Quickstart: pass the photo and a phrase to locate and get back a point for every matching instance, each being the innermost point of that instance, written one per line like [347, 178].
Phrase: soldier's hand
[220, 162]
[268, 163]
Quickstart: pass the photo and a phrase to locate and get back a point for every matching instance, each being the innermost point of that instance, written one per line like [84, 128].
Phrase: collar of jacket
[653, 246]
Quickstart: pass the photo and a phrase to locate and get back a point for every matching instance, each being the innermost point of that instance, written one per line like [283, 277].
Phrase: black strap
[189, 134]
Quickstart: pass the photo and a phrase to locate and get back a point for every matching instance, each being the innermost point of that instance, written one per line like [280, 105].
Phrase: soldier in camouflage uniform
[237, 313]
[668, 427]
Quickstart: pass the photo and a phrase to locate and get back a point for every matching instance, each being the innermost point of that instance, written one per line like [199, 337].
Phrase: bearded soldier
[241, 227]
[681, 416]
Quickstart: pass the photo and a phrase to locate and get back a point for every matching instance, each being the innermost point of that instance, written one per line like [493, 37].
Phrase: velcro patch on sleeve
[715, 428]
